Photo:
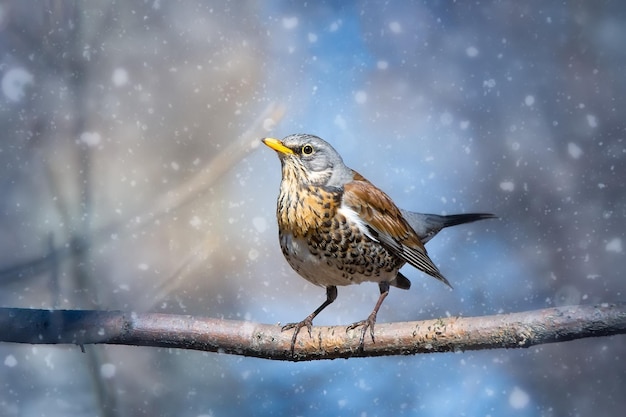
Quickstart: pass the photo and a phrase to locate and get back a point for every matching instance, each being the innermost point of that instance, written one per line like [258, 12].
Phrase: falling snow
[446, 118]
[614, 245]
[574, 150]
[10, 361]
[260, 224]
[195, 222]
[360, 97]
[108, 370]
[507, 186]
[14, 83]
[290, 23]
[90, 138]
[592, 121]
[471, 51]
[119, 77]
[269, 124]
[395, 27]
[253, 254]
[518, 398]
[134, 128]
[340, 122]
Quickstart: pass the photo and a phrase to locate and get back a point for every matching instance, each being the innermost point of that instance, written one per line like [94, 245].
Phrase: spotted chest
[323, 245]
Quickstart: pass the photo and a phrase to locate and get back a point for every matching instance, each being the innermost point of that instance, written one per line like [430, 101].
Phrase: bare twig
[451, 334]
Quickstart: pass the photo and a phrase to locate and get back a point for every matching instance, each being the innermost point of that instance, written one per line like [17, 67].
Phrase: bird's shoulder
[386, 224]
[378, 210]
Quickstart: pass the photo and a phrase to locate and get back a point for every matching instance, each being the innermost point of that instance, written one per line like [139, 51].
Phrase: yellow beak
[277, 146]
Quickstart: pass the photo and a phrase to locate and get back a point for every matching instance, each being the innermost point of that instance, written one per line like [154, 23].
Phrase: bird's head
[310, 160]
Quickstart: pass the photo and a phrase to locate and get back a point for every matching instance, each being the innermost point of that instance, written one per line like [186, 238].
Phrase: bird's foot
[368, 323]
[308, 323]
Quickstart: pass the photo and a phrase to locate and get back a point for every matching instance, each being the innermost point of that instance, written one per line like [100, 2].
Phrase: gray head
[311, 159]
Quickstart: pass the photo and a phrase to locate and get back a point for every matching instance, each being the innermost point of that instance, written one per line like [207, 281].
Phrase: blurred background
[131, 178]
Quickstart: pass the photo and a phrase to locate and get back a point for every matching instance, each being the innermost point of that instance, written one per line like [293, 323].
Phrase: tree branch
[451, 334]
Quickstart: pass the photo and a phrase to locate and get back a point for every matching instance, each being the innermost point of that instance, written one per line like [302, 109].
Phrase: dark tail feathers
[428, 225]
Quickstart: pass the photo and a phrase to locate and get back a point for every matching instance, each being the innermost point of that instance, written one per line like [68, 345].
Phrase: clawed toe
[366, 324]
[297, 326]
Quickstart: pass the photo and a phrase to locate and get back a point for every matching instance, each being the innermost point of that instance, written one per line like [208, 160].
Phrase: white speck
[446, 119]
[464, 124]
[335, 26]
[508, 186]
[119, 77]
[489, 392]
[290, 22]
[48, 361]
[260, 224]
[10, 361]
[312, 37]
[14, 81]
[360, 97]
[382, 65]
[142, 267]
[515, 146]
[592, 121]
[269, 124]
[614, 245]
[253, 254]
[174, 165]
[107, 370]
[340, 122]
[395, 27]
[574, 150]
[195, 222]
[490, 83]
[90, 138]
[518, 398]
[529, 100]
[471, 51]
[567, 295]
[363, 385]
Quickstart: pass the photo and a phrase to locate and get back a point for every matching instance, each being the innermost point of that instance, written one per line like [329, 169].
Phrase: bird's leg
[331, 295]
[371, 319]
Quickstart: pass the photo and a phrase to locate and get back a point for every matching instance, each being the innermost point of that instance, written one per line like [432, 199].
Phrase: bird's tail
[428, 225]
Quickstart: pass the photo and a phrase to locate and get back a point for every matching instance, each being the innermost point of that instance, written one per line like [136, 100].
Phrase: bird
[336, 228]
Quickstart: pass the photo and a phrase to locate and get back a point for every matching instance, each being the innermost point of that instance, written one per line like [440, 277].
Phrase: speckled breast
[323, 246]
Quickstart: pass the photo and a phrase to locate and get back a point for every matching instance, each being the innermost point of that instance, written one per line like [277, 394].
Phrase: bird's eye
[307, 150]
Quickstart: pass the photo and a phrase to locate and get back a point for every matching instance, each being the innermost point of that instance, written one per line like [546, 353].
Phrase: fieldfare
[337, 228]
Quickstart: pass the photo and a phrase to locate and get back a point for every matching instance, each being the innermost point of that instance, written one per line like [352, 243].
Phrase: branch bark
[450, 334]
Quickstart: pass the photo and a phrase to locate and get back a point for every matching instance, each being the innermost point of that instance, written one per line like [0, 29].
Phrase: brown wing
[387, 225]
